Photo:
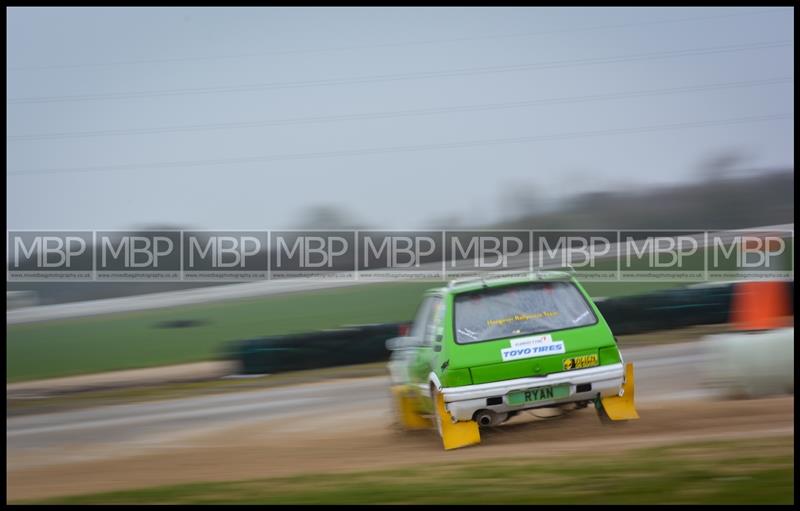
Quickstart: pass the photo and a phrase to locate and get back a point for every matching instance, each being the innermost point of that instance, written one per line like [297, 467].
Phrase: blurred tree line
[715, 202]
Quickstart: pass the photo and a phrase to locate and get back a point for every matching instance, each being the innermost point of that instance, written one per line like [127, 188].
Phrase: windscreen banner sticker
[521, 317]
[531, 340]
[580, 362]
[529, 347]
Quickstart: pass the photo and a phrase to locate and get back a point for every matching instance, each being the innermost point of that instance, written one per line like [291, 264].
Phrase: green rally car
[481, 350]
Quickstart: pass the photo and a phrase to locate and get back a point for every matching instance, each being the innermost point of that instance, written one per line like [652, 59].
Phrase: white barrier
[751, 364]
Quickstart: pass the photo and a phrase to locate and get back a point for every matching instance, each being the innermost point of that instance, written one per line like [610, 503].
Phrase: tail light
[403, 329]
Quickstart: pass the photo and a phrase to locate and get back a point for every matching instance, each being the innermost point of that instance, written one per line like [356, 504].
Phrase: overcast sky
[122, 117]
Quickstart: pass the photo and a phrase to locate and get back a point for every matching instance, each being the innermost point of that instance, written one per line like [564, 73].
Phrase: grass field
[131, 340]
[753, 471]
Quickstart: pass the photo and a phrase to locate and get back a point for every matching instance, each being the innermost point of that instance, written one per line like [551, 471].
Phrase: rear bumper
[463, 402]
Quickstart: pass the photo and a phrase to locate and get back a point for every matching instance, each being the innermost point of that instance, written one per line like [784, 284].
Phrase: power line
[406, 76]
[400, 149]
[389, 45]
[399, 113]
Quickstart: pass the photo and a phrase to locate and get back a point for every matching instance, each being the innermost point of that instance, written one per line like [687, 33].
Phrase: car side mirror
[403, 343]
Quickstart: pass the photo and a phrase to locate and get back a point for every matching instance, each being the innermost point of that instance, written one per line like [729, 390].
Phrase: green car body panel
[481, 362]
[472, 377]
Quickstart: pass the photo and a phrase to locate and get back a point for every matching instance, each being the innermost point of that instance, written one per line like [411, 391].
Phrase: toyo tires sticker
[533, 346]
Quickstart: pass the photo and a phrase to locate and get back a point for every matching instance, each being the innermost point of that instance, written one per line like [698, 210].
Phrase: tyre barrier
[706, 304]
[662, 310]
[665, 310]
[312, 350]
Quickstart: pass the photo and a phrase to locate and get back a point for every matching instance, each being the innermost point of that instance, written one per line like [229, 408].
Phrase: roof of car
[471, 284]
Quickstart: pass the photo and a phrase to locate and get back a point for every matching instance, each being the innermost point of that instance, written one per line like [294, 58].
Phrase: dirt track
[362, 439]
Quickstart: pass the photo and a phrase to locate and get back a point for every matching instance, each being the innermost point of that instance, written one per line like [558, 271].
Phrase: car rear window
[511, 311]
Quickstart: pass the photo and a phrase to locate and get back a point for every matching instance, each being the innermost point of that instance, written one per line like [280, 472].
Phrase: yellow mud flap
[454, 434]
[621, 408]
[407, 415]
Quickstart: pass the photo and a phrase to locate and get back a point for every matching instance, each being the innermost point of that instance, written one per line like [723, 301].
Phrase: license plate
[538, 394]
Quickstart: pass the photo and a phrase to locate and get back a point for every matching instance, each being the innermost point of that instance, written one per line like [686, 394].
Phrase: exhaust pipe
[484, 418]
[489, 418]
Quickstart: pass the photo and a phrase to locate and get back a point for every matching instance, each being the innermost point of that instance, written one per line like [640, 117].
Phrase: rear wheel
[601, 412]
[603, 416]
[437, 417]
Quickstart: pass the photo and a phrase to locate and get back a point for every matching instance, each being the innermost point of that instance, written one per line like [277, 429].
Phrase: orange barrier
[761, 305]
